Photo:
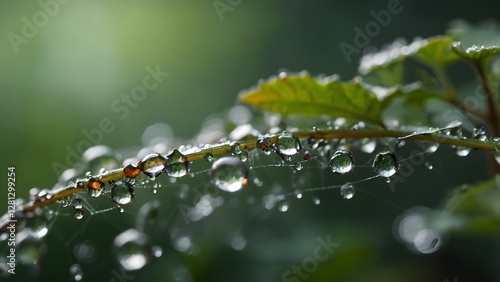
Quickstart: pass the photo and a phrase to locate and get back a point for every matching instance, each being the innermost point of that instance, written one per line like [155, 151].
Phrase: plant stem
[433, 136]
[492, 115]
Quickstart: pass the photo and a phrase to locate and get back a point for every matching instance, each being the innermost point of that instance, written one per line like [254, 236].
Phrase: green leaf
[476, 53]
[304, 95]
[387, 64]
[477, 206]
[412, 95]
[437, 51]
[476, 42]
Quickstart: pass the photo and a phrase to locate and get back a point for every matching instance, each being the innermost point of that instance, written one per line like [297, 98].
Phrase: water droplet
[496, 153]
[298, 166]
[100, 157]
[65, 202]
[235, 148]
[461, 151]
[385, 164]
[265, 144]
[306, 156]
[132, 171]
[177, 164]
[283, 207]
[37, 226]
[153, 164]
[77, 203]
[479, 133]
[368, 145]
[299, 195]
[96, 188]
[147, 214]
[238, 242]
[287, 144]
[209, 157]
[243, 156]
[78, 214]
[342, 161]
[132, 249]
[76, 272]
[157, 251]
[85, 251]
[316, 200]
[347, 191]
[229, 174]
[429, 165]
[122, 193]
[182, 243]
[454, 129]
[431, 147]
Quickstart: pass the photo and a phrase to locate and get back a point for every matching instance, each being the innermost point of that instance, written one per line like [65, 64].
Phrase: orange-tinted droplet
[131, 171]
[95, 184]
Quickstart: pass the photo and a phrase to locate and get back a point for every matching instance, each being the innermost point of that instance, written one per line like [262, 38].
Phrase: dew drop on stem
[95, 188]
[265, 145]
[287, 144]
[177, 165]
[153, 165]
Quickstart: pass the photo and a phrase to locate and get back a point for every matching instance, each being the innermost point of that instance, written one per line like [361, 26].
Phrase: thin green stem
[432, 136]
[492, 114]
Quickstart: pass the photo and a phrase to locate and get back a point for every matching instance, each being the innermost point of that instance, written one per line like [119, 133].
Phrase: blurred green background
[66, 78]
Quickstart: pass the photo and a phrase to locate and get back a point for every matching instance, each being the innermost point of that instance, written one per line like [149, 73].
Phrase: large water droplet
[122, 193]
[76, 272]
[153, 164]
[347, 191]
[132, 249]
[229, 174]
[385, 164]
[177, 165]
[342, 161]
[287, 144]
